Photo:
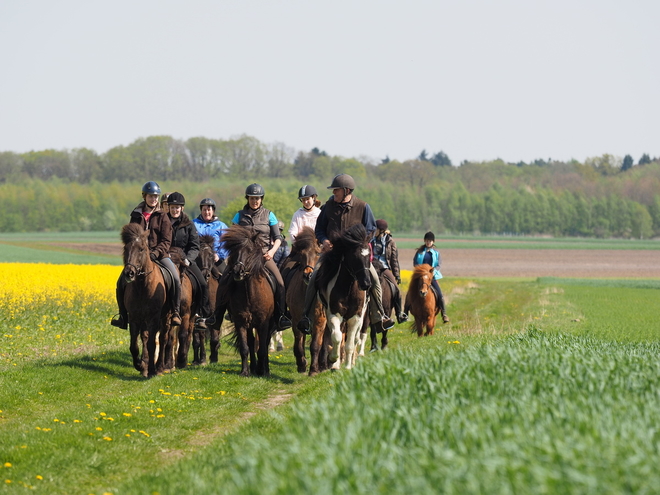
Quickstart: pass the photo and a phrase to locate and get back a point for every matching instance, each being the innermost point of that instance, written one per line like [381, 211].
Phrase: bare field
[591, 263]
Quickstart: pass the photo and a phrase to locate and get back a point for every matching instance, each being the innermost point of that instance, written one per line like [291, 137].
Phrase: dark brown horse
[248, 295]
[297, 270]
[189, 307]
[420, 300]
[343, 279]
[206, 259]
[388, 306]
[145, 299]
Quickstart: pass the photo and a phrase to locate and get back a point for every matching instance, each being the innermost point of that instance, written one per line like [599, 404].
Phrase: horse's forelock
[239, 240]
[130, 232]
[353, 236]
[206, 239]
[305, 241]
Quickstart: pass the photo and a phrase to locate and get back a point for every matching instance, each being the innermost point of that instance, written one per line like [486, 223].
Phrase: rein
[139, 272]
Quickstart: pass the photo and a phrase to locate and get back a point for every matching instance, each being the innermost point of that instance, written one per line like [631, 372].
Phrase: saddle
[289, 269]
[168, 278]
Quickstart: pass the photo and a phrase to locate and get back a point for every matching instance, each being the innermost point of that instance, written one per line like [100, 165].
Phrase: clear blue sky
[514, 79]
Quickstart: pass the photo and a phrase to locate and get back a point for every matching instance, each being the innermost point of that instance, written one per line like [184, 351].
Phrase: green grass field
[546, 386]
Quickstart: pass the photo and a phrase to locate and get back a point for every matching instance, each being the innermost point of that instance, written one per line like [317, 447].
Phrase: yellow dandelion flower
[128, 415]
[7, 464]
[160, 416]
[39, 477]
[98, 428]
[108, 439]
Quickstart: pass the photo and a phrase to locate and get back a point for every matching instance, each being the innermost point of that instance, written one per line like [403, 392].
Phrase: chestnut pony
[249, 298]
[304, 255]
[343, 279]
[420, 300]
[145, 298]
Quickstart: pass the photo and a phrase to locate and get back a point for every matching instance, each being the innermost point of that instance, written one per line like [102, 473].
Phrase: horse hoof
[374, 349]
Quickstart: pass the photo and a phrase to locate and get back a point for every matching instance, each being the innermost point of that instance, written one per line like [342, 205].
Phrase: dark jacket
[335, 217]
[159, 227]
[185, 236]
[391, 253]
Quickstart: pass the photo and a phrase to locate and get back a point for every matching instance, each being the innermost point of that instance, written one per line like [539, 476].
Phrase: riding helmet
[307, 192]
[255, 190]
[150, 188]
[176, 198]
[207, 202]
[429, 236]
[342, 181]
[381, 225]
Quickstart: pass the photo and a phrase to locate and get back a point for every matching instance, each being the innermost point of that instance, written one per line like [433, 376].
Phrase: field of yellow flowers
[46, 309]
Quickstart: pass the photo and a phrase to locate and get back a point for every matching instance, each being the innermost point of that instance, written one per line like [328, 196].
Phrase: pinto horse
[343, 279]
[420, 300]
[297, 270]
[206, 259]
[145, 299]
[249, 298]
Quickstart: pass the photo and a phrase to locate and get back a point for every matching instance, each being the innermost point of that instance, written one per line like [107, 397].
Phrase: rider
[184, 236]
[341, 211]
[152, 218]
[308, 214]
[263, 221]
[208, 224]
[385, 251]
[427, 254]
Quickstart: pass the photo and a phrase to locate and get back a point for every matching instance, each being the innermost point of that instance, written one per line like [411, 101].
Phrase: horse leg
[384, 341]
[352, 338]
[263, 367]
[199, 350]
[184, 339]
[146, 352]
[243, 347]
[299, 350]
[253, 345]
[214, 343]
[334, 322]
[134, 347]
[374, 338]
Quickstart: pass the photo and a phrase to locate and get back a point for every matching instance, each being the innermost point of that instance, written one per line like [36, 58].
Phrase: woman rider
[385, 251]
[152, 218]
[184, 236]
[429, 255]
[264, 221]
[307, 215]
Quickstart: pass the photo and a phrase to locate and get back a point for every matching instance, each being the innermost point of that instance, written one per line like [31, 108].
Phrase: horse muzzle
[130, 274]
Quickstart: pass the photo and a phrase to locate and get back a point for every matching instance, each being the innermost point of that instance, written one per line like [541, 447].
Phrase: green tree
[645, 159]
[440, 159]
[627, 163]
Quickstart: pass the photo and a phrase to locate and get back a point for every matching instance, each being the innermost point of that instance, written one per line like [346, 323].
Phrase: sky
[477, 79]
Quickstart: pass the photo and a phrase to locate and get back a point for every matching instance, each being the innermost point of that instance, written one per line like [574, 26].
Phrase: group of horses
[340, 325]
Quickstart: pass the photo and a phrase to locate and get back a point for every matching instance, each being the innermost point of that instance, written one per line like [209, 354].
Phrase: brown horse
[206, 259]
[343, 279]
[189, 307]
[388, 306]
[297, 270]
[420, 300]
[145, 299]
[248, 295]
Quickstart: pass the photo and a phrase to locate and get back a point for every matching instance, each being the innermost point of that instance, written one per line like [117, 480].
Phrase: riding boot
[283, 322]
[207, 317]
[440, 303]
[305, 323]
[122, 320]
[401, 317]
[176, 303]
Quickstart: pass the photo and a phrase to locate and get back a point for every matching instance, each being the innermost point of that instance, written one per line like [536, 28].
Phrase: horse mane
[207, 239]
[418, 271]
[130, 231]
[239, 240]
[304, 241]
[350, 238]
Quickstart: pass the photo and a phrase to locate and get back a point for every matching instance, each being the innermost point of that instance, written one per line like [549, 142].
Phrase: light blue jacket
[214, 228]
[435, 260]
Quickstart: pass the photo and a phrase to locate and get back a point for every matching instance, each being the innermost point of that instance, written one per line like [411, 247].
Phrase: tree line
[72, 190]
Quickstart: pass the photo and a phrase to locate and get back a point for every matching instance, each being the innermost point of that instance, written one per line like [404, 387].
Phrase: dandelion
[98, 428]
[77, 421]
[39, 477]
[7, 464]
[145, 433]
[160, 416]
[128, 415]
[108, 439]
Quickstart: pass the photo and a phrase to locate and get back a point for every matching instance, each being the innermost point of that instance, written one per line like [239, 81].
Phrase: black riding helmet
[207, 202]
[150, 187]
[307, 192]
[176, 198]
[254, 190]
[429, 236]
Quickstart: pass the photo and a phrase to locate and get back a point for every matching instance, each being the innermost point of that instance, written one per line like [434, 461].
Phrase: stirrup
[176, 319]
[388, 323]
[119, 322]
[304, 325]
[283, 323]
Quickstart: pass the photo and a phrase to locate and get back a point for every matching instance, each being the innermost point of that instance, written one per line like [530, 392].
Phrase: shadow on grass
[116, 364]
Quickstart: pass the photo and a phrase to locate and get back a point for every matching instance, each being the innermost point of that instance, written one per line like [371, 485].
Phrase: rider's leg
[122, 321]
[440, 301]
[305, 323]
[176, 299]
[204, 305]
[401, 317]
[280, 297]
[376, 312]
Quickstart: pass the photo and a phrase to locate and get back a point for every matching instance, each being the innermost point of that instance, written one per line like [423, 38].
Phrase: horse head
[245, 251]
[206, 255]
[423, 275]
[353, 248]
[136, 251]
[306, 250]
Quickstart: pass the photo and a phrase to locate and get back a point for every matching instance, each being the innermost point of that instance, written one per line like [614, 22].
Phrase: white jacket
[303, 218]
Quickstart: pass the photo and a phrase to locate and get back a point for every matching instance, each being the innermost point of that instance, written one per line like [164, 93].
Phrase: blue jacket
[213, 228]
[435, 260]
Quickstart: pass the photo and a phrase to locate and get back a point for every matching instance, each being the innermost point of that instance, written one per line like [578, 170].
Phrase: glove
[398, 281]
[186, 262]
[153, 256]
